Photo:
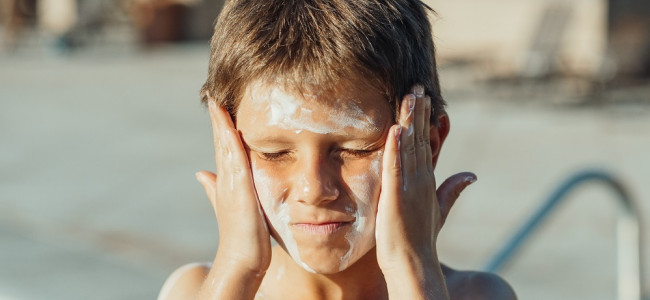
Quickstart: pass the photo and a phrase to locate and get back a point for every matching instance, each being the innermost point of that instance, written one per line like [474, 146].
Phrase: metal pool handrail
[630, 284]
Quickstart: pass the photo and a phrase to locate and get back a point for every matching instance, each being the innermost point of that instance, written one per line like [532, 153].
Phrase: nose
[315, 182]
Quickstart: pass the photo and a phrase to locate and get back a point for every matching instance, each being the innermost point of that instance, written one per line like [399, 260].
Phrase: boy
[317, 146]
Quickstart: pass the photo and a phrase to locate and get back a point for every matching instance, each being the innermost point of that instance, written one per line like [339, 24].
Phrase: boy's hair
[321, 43]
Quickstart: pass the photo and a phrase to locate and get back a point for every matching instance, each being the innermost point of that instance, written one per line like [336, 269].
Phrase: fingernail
[411, 102]
[198, 176]
[419, 91]
[470, 179]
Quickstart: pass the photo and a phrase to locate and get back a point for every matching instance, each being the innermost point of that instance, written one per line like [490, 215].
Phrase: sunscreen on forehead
[287, 112]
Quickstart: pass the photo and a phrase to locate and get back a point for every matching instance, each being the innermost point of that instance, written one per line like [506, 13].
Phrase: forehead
[347, 109]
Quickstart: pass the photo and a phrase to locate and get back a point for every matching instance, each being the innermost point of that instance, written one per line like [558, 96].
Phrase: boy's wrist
[237, 268]
[402, 259]
[415, 276]
[230, 280]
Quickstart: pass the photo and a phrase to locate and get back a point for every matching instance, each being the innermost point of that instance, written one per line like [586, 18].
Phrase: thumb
[450, 190]
[209, 182]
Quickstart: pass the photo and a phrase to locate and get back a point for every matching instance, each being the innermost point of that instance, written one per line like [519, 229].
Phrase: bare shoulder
[184, 282]
[472, 285]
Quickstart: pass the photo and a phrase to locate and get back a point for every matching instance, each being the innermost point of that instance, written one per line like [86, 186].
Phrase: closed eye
[274, 155]
[355, 153]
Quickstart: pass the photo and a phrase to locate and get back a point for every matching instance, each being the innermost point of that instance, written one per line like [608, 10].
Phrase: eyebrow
[367, 142]
[267, 141]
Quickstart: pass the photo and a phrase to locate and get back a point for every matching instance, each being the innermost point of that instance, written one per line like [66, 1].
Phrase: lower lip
[324, 229]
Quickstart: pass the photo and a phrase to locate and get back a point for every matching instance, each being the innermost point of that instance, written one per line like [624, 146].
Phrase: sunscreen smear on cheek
[362, 236]
[277, 212]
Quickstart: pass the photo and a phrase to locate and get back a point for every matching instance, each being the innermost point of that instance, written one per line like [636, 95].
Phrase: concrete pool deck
[98, 197]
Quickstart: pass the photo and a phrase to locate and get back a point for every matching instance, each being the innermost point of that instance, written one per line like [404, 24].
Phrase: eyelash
[343, 153]
[357, 153]
[274, 155]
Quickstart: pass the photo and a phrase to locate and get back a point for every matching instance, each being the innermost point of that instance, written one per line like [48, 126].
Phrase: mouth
[322, 228]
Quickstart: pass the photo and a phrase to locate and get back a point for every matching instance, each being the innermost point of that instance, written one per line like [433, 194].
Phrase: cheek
[365, 189]
[269, 191]
[365, 183]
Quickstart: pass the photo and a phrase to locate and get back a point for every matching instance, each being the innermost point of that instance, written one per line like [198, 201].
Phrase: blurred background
[101, 132]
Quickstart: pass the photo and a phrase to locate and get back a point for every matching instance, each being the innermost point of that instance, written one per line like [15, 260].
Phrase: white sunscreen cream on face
[287, 112]
[277, 212]
[362, 236]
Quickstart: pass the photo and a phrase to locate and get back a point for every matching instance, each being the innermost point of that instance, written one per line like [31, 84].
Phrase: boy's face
[316, 162]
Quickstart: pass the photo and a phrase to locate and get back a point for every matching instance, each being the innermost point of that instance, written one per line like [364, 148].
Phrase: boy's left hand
[410, 211]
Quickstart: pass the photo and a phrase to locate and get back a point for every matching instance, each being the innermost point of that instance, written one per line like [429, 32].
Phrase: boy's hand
[244, 239]
[410, 214]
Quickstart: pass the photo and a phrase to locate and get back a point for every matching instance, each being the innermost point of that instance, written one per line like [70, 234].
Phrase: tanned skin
[404, 262]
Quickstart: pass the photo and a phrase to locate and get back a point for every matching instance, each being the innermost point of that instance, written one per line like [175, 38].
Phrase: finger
[209, 182]
[224, 120]
[407, 141]
[236, 159]
[419, 118]
[221, 125]
[241, 176]
[231, 158]
[426, 133]
[216, 134]
[391, 177]
[450, 190]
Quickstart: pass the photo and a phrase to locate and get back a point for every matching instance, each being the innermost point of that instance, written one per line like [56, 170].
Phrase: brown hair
[386, 43]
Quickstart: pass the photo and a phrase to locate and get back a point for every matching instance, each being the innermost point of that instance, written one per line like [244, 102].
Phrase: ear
[437, 136]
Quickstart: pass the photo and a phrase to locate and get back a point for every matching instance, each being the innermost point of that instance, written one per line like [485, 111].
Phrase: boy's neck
[362, 280]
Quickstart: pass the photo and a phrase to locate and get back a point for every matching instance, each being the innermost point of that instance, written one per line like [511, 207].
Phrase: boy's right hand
[244, 239]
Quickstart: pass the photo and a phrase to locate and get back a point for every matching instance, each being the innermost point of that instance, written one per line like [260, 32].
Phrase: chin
[331, 262]
[324, 268]
[327, 260]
